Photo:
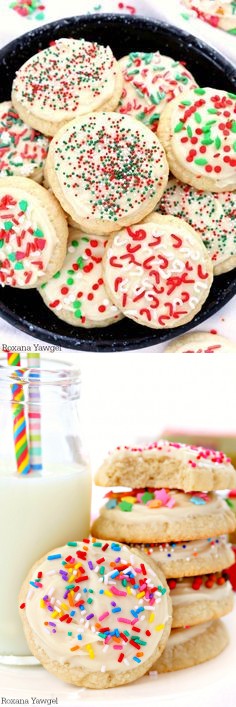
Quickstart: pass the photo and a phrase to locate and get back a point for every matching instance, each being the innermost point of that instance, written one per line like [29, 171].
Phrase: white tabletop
[12, 25]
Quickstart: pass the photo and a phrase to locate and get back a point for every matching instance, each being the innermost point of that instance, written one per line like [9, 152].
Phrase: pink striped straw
[34, 414]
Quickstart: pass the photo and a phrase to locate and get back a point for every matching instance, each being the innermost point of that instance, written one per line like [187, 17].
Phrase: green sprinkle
[90, 600]
[74, 544]
[57, 274]
[101, 570]
[70, 281]
[75, 243]
[11, 256]
[189, 131]
[200, 91]
[23, 205]
[217, 142]
[97, 544]
[69, 633]
[8, 225]
[147, 496]
[179, 127]
[80, 262]
[125, 506]
[197, 117]
[77, 304]
[38, 233]
[229, 502]
[185, 103]
[233, 128]
[19, 266]
[200, 161]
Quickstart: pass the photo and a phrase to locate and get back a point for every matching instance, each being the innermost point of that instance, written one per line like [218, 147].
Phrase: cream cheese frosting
[181, 635]
[184, 593]
[203, 126]
[96, 605]
[27, 238]
[70, 76]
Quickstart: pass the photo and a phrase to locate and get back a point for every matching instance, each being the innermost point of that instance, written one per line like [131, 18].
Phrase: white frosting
[93, 652]
[189, 550]
[72, 76]
[184, 594]
[181, 635]
[214, 141]
[24, 255]
[183, 509]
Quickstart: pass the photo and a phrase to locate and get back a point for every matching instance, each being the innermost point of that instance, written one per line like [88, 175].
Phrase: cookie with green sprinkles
[107, 170]
[150, 81]
[71, 77]
[23, 150]
[77, 292]
[213, 216]
[96, 614]
[198, 132]
[33, 233]
[217, 13]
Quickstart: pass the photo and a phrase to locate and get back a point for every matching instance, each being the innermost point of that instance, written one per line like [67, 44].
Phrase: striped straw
[34, 415]
[19, 423]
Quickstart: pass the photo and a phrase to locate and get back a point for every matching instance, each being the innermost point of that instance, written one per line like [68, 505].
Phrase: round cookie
[158, 273]
[22, 150]
[150, 81]
[107, 170]
[191, 646]
[33, 233]
[189, 468]
[218, 13]
[94, 614]
[201, 342]
[159, 516]
[199, 599]
[211, 215]
[70, 78]
[184, 559]
[198, 134]
[76, 293]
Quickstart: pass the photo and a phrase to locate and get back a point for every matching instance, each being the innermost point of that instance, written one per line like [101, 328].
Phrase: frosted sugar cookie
[184, 559]
[158, 272]
[199, 599]
[22, 150]
[211, 215]
[152, 515]
[150, 81]
[107, 170]
[201, 342]
[190, 646]
[166, 463]
[198, 133]
[33, 233]
[218, 13]
[72, 77]
[86, 611]
[77, 293]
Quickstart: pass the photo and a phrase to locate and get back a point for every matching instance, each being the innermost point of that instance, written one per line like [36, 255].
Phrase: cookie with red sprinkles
[69, 78]
[33, 233]
[201, 342]
[198, 131]
[217, 13]
[77, 292]
[158, 273]
[211, 215]
[164, 463]
[201, 598]
[23, 150]
[107, 170]
[150, 81]
[96, 614]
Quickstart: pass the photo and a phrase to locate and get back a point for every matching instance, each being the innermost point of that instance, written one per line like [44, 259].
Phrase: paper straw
[19, 423]
[34, 415]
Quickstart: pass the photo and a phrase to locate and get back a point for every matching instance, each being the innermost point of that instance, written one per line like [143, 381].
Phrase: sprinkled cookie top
[22, 150]
[212, 215]
[78, 289]
[154, 499]
[158, 273]
[201, 342]
[196, 457]
[203, 127]
[150, 81]
[108, 167]
[97, 605]
[188, 590]
[71, 76]
[27, 238]
[218, 13]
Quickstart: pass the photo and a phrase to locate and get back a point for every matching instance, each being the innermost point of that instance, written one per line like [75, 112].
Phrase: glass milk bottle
[45, 484]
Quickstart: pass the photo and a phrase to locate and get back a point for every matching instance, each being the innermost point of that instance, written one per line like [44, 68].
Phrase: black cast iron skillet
[25, 309]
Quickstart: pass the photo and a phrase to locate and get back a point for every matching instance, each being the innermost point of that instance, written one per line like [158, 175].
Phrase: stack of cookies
[102, 134]
[174, 515]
